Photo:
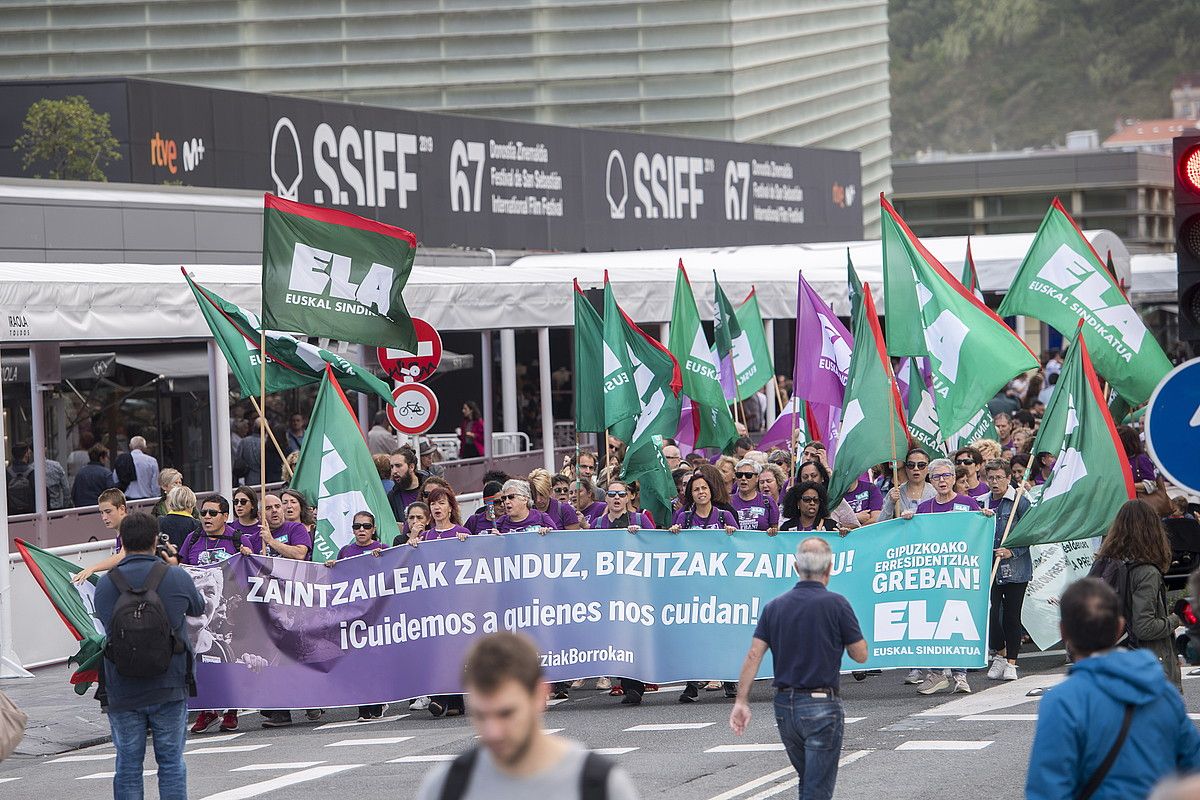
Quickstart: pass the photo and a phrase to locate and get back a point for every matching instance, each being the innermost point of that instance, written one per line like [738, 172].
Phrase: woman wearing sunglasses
[519, 514]
[564, 515]
[805, 508]
[912, 492]
[617, 513]
[755, 510]
[245, 511]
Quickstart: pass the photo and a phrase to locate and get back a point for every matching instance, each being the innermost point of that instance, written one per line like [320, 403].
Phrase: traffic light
[1187, 235]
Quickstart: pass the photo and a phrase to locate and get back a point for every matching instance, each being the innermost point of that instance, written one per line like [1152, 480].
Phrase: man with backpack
[1115, 726]
[516, 760]
[142, 603]
[20, 481]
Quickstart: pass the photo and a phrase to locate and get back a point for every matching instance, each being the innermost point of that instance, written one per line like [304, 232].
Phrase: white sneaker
[420, 704]
[603, 684]
[996, 670]
[577, 684]
[914, 677]
[934, 682]
[960, 685]
[1010, 672]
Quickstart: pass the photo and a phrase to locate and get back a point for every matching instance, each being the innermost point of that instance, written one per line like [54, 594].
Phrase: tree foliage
[69, 136]
[969, 75]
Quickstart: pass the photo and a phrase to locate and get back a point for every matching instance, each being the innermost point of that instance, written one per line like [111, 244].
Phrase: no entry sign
[416, 408]
[400, 365]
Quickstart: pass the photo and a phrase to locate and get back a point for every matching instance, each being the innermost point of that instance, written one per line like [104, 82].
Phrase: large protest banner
[1055, 567]
[656, 606]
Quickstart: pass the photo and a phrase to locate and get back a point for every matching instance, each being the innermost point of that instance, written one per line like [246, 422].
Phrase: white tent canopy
[123, 302]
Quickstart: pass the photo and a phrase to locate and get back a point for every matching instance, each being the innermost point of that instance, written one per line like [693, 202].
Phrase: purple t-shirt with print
[717, 518]
[199, 551]
[288, 533]
[960, 502]
[865, 496]
[450, 533]
[759, 513]
[536, 519]
[563, 514]
[980, 492]
[356, 549]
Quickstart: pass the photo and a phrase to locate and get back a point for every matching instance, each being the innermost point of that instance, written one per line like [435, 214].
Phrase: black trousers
[1005, 616]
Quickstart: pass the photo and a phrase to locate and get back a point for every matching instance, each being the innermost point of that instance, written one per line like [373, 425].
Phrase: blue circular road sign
[1173, 425]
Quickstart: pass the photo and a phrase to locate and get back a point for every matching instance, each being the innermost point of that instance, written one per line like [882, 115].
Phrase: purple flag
[823, 348]
[780, 434]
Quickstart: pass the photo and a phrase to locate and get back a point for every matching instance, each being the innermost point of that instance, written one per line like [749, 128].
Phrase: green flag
[75, 604]
[873, 429]
[290, 362]
[980, 426]
[972, 353]
[645, 464]
[1090, 479]
[854, 289]
[589, 369]
[901, 309]
[727, 337]
[657, 383]
[690, 347]
[1061, 281]
[620, 393]
[335, 474]
[334, 274]
[758, 368]
[922, 415]
[970, 278]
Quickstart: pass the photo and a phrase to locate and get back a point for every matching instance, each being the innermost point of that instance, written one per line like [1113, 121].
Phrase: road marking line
[746, 748]
[614, 751]
[936, 744]
[1193, 716]
[237, 748]
[999, 718]
[670, 726]
[262, 787]
[849, 720]
[425, 759]
[855, 756]
[546, 731]
[380, 740]
[330, 726]
[6, 780]
[92, 757]
[754, 784]
[556, 701]
[225, 737]
[1006, 695]
[281, 765]
[146, 773]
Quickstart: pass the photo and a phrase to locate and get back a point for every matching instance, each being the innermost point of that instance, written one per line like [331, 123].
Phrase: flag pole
[263, 428]
[274, 441]
[607, 456]
[1008, 526]
[793, 445]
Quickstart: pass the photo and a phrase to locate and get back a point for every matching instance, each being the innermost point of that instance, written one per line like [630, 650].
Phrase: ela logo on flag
[1068, 271]
[316, 272]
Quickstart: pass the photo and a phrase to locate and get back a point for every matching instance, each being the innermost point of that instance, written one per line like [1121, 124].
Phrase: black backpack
[140, 640]
[593, 781]
[1115, 573]
[20, 492]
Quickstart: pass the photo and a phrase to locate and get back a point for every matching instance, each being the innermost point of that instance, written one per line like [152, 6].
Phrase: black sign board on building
[464, 180]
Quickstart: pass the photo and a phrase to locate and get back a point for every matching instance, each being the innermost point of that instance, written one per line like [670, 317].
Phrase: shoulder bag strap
[157, 573]
[118, 580]
[1101, 772]
[458, 777]
[593, 782]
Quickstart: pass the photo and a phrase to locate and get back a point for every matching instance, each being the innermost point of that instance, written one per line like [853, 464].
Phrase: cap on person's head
[501, 657]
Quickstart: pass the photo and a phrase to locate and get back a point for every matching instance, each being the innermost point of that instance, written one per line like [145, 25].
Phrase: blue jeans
[168, 724]
[811, 729]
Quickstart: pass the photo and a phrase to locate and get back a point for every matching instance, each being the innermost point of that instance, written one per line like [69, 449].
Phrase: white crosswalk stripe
[614, 751]
[236, 748]
[428, 758]
[942, 744]
[88, 757]
[365, 742]
[669, 726]
[329, 726]
[746, 748]
[276, 767]
[96, 776]
[282, 782]
[999, 718]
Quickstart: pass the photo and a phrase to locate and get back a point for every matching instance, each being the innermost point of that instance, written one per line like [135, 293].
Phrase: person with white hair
[806, 629]
[519, 514]
[755, 510]
[146, 468]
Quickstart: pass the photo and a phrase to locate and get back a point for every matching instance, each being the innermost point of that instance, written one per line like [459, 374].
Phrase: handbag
[12, 726]
[1101, 772]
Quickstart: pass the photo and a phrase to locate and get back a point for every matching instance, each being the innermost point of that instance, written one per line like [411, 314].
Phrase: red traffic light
[1189, 168]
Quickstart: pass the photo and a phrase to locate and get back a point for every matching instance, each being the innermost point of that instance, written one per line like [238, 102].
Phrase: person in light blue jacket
[1013, 574]
[1113, 701]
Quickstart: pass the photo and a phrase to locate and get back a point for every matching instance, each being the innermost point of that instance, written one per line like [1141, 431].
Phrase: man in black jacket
[93, 478]
[157, 702]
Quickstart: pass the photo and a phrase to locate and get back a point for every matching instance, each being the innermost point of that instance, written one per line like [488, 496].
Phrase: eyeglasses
[507, 497]
[562, 490]
[614, 493]
[963, 462]
[942, 476]
[241, 501]
[916, 464]
[211, 512]
[363, 526]
[810, 499]
[745, 474]
[673, 458]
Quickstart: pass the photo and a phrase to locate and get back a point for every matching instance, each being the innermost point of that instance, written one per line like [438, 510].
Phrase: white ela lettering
[892, 626]
[1068, 270]
[316, 271]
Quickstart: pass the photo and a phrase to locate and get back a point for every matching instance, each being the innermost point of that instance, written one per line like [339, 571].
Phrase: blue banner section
[655, 606]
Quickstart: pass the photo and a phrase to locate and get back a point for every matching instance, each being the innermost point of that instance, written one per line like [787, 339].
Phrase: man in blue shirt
[160, 701]
[807, 629]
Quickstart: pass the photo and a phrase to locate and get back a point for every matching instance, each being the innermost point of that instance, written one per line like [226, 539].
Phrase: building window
[935, 208]
[1109, 199]
[1013, 205]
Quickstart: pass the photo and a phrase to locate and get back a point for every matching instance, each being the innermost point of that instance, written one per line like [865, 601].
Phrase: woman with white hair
[519, 514]
[755, 510]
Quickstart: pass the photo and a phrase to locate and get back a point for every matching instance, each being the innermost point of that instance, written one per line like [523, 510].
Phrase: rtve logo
[164, 152]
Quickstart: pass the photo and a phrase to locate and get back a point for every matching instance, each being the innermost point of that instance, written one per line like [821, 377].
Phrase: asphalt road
[898, 745]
